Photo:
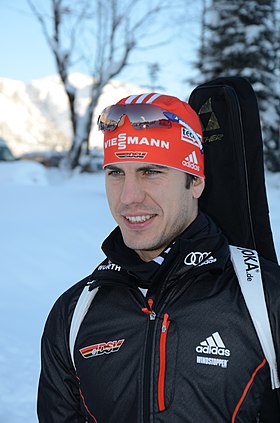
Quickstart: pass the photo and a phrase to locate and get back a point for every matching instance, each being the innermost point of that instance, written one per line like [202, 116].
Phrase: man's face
[151, 204]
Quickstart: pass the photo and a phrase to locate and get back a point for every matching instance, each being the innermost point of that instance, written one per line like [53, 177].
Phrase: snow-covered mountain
[34, 116]
[22, 125]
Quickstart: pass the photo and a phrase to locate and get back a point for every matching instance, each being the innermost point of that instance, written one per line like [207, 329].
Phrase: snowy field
[51, 229]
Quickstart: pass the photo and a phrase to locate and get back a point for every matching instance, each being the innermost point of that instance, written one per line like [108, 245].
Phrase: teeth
[134, 219]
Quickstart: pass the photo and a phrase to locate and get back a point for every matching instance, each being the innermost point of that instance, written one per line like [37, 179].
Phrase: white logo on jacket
[213, 346]
[197, 258]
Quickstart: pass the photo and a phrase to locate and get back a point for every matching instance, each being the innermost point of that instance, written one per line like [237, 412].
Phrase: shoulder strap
[247, 268]
[80, 311]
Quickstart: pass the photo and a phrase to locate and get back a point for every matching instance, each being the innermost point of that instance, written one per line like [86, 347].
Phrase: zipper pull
[149, 310]
[164, 323]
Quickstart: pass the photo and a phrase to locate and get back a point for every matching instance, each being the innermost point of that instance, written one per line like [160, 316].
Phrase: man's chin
[147, 250]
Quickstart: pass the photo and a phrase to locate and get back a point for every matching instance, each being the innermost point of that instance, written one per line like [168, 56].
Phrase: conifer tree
[241, 38]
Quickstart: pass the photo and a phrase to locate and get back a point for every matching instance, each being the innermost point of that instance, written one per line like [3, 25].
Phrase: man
[167, 336]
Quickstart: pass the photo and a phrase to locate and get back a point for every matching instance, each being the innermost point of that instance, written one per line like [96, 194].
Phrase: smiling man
[151, 205]
[159, 332]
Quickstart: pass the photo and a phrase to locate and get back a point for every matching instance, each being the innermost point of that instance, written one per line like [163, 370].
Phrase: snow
[51, 230]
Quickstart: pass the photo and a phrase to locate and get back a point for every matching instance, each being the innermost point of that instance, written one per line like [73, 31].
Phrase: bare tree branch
[100, 37]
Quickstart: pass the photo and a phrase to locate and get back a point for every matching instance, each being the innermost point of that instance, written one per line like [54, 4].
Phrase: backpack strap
[80, 311]
[247, 268]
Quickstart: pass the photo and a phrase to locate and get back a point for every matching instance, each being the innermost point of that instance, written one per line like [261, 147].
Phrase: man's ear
[198, 187]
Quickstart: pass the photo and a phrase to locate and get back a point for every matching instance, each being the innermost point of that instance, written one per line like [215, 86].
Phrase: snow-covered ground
[51, 228]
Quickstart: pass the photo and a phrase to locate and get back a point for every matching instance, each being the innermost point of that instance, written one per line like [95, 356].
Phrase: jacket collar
[200, 248]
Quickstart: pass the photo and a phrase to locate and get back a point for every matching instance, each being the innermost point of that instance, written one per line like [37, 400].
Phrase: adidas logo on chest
[213, 345]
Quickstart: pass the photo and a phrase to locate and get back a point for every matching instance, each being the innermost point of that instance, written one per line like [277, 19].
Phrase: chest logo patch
[101, 348]
[213, 351]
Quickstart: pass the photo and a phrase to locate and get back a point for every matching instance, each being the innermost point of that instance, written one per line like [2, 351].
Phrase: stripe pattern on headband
[143, 98]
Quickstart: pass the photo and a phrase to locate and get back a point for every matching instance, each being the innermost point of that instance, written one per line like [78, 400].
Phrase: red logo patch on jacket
[101, 348]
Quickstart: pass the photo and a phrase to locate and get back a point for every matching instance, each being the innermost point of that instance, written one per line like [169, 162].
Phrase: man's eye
[152, 172]
[114, 173]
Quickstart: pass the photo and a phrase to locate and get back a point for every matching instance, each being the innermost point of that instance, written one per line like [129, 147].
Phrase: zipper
[147, 363]
[162, 362]
[149, 310]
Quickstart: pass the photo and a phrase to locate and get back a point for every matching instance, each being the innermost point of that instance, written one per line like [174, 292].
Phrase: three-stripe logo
[213, 345]
[191, 161]
[192, 158]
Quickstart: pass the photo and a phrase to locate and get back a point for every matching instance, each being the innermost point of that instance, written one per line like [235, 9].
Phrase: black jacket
[185, 353]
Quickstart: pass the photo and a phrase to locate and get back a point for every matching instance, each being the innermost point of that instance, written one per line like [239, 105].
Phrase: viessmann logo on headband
[122, 141]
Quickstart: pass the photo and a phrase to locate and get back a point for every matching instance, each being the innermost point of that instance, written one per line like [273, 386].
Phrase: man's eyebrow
[111, 167]
[152, 166]
[147, 166]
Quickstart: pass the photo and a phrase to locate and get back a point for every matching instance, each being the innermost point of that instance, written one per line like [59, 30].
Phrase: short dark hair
[189, 180]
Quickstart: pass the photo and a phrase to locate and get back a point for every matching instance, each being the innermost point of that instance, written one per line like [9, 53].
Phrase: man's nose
[132, 190]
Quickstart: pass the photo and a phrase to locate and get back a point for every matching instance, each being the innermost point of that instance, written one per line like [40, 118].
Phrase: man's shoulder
[269, 269]
[62, 310]
[71, 295]
[252, 261]
[69, 298]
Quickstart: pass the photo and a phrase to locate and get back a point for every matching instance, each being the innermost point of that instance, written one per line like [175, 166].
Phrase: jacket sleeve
[270, 412]
[58, 393]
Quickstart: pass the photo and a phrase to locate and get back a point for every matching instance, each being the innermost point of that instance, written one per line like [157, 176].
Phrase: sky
[25, 54]
[51, 231]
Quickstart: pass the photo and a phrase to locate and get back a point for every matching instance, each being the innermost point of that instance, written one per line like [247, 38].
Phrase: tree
[242, 38]
[153, 71]
[99, 38]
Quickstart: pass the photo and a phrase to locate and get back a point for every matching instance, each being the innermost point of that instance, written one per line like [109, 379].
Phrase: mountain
[34, 115]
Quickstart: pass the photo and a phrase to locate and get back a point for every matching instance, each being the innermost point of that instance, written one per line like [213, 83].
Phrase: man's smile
[139, 219]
